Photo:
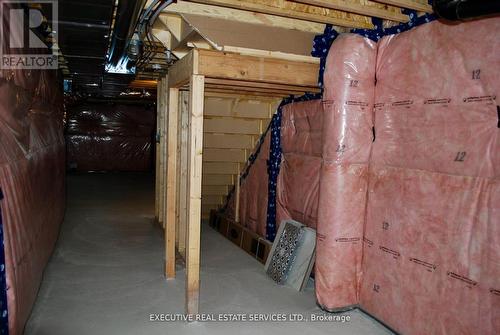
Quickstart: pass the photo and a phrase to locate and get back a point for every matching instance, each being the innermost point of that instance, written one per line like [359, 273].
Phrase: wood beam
[251, 84]
[195, 161]
[225, 65]
[170, 215]
[217, 93]
[295, 10]
[180, 73]
[271, 54]
[363, 7]
[419, 5]
[184, 7]
[245, 90]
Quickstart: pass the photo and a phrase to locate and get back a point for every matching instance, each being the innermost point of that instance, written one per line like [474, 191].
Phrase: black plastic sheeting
[110, 136]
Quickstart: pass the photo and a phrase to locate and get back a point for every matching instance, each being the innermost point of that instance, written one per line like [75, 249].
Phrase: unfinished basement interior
[249, 167]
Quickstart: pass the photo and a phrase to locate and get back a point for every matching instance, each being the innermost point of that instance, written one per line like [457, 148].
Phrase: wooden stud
[195, 159]
[183, 207]
[163, 149]
[178, 169]
[170, 211]
[237, 199]
[157, 153]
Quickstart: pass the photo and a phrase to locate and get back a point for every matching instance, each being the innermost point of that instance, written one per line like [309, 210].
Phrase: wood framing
[171, 196]
[183, 176]
[237, 201]
[195, 161]
[157, 153]
[363, 7]
[162, 153]
[295, 10]
[190, 78]
[420, 5]
[184, 7]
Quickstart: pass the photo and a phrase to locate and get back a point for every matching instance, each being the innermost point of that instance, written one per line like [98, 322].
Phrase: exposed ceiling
[86, 26]
[83, 37]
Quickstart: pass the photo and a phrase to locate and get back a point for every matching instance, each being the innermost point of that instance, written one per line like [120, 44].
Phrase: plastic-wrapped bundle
[347, 138]
[298, 181]
[107, 137]
[32, 182]
[432, 239]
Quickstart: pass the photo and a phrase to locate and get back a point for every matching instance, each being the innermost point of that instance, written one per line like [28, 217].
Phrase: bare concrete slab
[106, 275]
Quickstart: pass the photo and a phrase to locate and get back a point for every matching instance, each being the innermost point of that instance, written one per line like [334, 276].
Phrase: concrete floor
[106, 274]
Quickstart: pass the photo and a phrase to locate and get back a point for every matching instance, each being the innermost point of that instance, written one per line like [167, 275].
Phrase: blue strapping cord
[4, 316]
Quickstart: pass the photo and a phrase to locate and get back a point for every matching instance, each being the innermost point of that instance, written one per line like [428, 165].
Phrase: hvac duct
[455, 10]
[126, 15]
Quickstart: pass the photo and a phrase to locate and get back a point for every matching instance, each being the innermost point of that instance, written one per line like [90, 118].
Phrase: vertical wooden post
[195, 159]
[237, 199]
[171, 182]
[183, 182]
[162, 109]
[157, 150]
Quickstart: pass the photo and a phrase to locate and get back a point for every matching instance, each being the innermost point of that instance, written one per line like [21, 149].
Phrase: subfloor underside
[106, 274]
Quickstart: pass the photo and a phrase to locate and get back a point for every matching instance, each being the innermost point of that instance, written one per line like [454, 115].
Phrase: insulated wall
[110, 136]
[346, 142]
[431, 260]
[32, 182]
[408, 225]
[298, 180]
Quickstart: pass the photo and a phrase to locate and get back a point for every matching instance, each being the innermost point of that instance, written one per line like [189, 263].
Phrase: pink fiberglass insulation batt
[347, 137]
[32, 181]
[298, 181]
[431, 261]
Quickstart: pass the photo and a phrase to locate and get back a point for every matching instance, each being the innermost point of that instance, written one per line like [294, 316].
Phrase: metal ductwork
[127, 14]
[455, 10]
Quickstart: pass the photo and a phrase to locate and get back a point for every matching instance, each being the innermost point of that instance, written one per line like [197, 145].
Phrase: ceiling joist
[418, 5]
[184, 7]
[295, 10]
[362, 7]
